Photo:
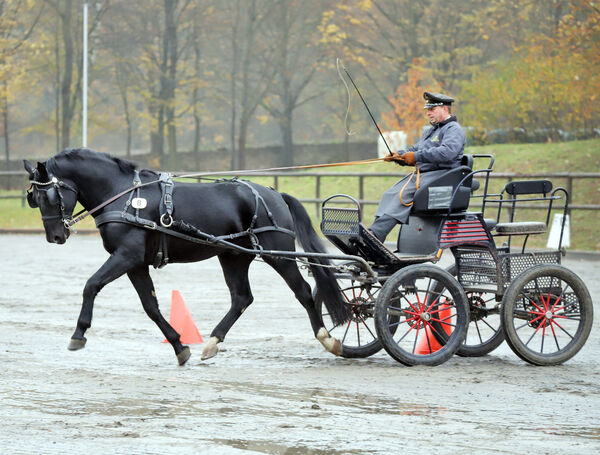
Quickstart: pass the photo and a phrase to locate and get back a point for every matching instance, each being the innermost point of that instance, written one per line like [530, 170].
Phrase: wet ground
[272, 390]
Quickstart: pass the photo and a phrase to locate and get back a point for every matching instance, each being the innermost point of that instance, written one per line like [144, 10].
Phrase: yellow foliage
[365, 5]
[408, 114]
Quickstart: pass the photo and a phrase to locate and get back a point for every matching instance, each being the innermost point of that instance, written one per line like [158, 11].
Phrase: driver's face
[437, 114]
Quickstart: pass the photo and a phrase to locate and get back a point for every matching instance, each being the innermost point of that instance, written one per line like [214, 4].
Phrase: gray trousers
[382, 226]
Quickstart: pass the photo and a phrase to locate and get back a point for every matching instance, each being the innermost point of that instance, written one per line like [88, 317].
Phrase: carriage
[422, 314]
[375, 298]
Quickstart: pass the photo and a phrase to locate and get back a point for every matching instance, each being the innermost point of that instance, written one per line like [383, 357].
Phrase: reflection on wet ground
[271, 390]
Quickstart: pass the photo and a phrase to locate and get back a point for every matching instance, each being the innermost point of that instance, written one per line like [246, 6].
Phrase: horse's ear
[42, 172]
[29, 168]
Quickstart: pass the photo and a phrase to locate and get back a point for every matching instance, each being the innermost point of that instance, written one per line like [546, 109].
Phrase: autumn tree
[17, 21]
[549, 82]
[252, 69]
[293, 30]
[407, 114]
[69, 59]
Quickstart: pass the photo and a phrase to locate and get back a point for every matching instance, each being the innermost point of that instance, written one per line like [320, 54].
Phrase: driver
[440, 148]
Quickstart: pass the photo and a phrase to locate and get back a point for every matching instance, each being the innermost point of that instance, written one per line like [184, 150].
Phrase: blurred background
[229, 84]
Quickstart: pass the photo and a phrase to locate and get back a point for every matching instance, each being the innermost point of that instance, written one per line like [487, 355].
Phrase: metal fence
[361, 178]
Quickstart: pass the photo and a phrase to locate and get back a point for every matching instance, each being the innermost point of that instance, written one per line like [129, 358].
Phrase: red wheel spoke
[544, 334]
[427, 337]
[533, 320]
[411, 305]
[535, 304]
[556, 303]
[533, 334]
[554, 334]
[412, 312]
[346, 332]
[417, 337]
[559, 326]
[447, 324]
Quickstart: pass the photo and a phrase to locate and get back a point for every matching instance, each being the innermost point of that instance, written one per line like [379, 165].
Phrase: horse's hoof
[337, 348]
[330, 343]
[184, 355]
[211, 349]
[76, 344]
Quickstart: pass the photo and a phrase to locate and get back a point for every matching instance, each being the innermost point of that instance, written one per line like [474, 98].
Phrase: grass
[576, 156]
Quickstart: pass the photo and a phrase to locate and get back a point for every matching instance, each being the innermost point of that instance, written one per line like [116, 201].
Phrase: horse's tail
[328, 289]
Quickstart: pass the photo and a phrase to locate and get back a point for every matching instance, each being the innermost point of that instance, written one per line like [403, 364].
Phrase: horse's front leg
[142, 282]
[116, 265]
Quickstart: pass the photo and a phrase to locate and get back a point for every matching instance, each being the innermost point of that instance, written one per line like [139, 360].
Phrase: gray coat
[440, 148]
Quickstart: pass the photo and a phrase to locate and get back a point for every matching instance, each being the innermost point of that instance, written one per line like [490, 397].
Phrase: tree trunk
[170, 46]
[197, 136]
[235, 157]
[67, 111]
[196, 94]
[6, 137]
[242, 138]
[287, 152]
[157, 131]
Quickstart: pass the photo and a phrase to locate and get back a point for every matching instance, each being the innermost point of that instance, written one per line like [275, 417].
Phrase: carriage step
[377, 252]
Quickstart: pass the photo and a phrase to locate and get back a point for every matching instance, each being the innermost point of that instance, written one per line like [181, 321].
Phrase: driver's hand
[394, 157]
[409, 158]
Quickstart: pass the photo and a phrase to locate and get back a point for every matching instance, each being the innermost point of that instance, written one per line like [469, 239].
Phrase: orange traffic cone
[428, 344]
[181, 320]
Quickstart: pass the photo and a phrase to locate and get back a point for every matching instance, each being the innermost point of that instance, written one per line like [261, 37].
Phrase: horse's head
[55, 198]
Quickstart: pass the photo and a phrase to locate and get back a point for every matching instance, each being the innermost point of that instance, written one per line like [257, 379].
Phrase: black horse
[216, 208]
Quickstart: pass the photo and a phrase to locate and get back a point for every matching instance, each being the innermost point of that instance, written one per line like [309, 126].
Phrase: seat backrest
[528, 187]
[437, 195]
[467, 160]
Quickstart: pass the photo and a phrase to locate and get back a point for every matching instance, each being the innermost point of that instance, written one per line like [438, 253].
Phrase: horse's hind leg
[142, 282]
[292, 276]
[235, 269]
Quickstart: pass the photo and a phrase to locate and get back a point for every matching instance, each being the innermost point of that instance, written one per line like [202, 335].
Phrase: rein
[108, 201]
[81, 216]
[418, 172]
[288, 168]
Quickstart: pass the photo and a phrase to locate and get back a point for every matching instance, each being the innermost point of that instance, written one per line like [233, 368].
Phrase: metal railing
[570, 177]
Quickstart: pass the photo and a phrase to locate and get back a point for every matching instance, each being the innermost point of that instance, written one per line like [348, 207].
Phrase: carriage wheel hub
[426, 317]
[549, 314]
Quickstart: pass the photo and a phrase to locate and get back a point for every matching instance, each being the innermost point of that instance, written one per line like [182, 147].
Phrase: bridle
[55, 198]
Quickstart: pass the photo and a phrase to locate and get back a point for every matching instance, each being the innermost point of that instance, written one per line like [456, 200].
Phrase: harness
[168, 226]
[55, 197]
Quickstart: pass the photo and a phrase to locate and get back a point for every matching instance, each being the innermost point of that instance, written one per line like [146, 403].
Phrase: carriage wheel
[484, 332]
[407, 307]
[547, 314]
[358, 335]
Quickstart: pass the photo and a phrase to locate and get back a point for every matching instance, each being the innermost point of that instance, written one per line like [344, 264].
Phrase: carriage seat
[515, 189]
[521, 228]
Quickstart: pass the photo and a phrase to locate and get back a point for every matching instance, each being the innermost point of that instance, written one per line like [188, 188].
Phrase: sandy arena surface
[272, 389]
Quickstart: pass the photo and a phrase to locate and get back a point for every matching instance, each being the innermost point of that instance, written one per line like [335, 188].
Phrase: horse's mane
[81, 154]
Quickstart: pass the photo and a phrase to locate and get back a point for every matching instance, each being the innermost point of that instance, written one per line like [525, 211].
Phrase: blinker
[52, 196]
[31, 200]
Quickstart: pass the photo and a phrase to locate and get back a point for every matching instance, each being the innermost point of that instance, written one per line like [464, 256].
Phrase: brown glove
[409, 158]
[394, 157]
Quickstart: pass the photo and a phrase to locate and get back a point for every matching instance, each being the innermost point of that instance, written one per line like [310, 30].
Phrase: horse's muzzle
[59, 237]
